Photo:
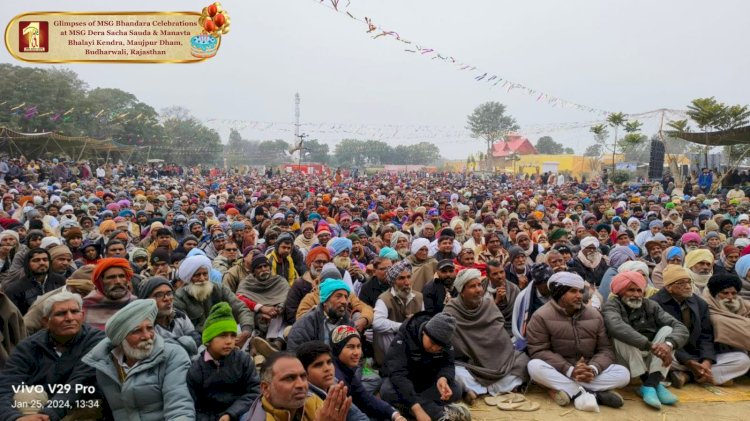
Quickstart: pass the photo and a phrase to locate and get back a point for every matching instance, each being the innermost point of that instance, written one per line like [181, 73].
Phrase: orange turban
[107, 263]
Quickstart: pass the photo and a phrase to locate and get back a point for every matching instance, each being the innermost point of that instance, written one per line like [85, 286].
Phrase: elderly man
[698, 358]
[284, 394]
[700, 266]
[570, 351]
[729, 313]
[654, 227]
[49, 358]
[589, 263]
[35, 280]
[423, 265]
[141, 375]
[644, 336]
[394, 307]
[112, 291]
[315, 260]
[172, 324]
[200, 294]
[317, 324]
[501, 291]
[438, 292]
[485, 359]
[265, 294]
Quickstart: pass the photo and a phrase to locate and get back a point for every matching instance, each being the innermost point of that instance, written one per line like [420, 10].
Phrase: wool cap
[330, 270]
[464, 277]
[160, 255]
[151, 284]
[622, 280]
[440, 329]
[674, 273]
[558, 234]
[340, 336]
[331, 285]
[259, 260]
[128, 318]
[220, 320]
[720, 282]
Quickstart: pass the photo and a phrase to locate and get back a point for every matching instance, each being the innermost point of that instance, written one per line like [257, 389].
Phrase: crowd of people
[138, 294]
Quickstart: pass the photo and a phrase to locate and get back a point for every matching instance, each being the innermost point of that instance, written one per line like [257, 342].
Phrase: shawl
[272, 291]
[586, 262]
[481, 343]
[657, 275]
[13, 329]
[302, 242]
[485, 256]
[98, 308]
[731, 329]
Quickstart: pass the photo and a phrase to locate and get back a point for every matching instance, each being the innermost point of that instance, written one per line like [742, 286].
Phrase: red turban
[108, 263]
[622, 280]
[316, 251]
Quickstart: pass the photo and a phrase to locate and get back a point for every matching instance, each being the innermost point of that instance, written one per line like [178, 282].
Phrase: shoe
[456, 412]
[262, 347]
[649, 396]
[678, 378]
[561, 398]
[585, 401]
[609, 398]
[665, 396]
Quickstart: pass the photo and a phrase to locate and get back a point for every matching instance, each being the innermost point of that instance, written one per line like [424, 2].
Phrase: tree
[569, 151]
[597, 150]
[315, 151]
[273, 152]
[593, 151]
[490, 123]
[708, 114]
[546, 145]
[615, 120]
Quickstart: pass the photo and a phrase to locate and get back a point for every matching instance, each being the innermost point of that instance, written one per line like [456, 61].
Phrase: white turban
[189, 266]
[128, 318]
[418, 244]
[464, 277]
[633, 266]
[568, 279]
[589, 241]
[66, 208]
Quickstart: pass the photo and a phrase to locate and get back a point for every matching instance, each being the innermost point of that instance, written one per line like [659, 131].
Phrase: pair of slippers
[511, 402]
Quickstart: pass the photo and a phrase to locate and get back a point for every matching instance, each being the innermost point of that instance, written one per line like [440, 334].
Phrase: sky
[633, 57]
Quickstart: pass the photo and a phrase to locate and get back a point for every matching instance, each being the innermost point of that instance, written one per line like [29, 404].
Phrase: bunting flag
[479, 75]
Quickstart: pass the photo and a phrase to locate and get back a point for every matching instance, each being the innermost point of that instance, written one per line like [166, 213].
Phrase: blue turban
[743, 266]
[340, 244]
[389, 253]
[237, 226]
[128, 318]
[329, 286]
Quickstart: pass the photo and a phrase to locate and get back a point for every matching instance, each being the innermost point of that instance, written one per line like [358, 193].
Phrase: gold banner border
[113, 13]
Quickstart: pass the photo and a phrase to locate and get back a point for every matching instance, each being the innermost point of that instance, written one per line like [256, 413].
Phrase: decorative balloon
[215, 20]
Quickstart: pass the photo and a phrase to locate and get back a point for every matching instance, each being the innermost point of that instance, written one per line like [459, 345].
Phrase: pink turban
[739, 230]
[622, 280]
[690, 236]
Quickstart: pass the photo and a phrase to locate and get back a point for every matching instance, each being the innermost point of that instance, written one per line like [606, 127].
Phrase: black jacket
[24, 289]
[594, 277]
[411, 368]
[35, 362]
[700, 345]
[373, 407]
[434, 297]
[226, 386]
[371, 290]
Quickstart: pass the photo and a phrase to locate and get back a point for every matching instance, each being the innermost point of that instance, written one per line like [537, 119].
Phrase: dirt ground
[697, 403]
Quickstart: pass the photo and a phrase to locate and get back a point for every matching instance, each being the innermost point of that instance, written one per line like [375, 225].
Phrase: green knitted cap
[219, 320]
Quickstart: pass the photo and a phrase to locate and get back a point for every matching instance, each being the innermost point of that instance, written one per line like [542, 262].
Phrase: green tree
[546, 145]
[569, 151]
[708, 114]
[615, 120]
[593, 151]
[315, 151]
[490, 123]
[273, 152]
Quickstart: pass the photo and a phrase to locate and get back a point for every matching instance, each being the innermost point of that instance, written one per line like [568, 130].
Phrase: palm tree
[707, 114]
[615, 120]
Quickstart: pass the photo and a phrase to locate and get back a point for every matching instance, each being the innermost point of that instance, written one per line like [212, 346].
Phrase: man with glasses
[698, 359]
[227, 257]
[173, 325]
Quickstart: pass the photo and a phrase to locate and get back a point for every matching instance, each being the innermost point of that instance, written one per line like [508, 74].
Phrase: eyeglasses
[161, 295]
[684, 282]
[230, 249]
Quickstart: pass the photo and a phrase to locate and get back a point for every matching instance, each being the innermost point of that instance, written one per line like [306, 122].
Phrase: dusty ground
[697, 403]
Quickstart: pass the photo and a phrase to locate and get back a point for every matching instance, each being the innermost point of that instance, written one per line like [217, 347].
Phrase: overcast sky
[630, 56]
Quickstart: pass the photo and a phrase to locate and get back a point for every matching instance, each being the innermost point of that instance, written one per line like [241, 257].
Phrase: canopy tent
[74, 147]
[731, 137]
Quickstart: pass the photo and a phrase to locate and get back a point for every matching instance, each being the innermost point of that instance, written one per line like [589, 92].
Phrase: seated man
[700, 266]
[317, 324]
[440, 290]
[112, 277]
[419, 375]
[485, 359]
[729, 313]
[698, 358]
[172, 324]
[644, 336]
[570, 351]
[502, 292]
[531, 299]
[265, 294]
[51, 357]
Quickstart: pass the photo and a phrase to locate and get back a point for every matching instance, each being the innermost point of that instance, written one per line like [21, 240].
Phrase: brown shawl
[13, 330]
[482, 344]
[422, 273]
[731, 329]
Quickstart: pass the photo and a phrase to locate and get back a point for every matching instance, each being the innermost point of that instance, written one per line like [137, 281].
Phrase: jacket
[197, 311]
[180, 331]
[299, 289]
[410, 368]
[354, 414]
[371, 290]
[373, 407]
[594, 277]
[700, 344]
[12, 329]
[35, 362]
[24, 290]
[637, 327]
[561, 340]
[227, 386]
[434, 297]
[313, 326]
[222, 264]
[234, 275]
[154, 390]
[261, 410]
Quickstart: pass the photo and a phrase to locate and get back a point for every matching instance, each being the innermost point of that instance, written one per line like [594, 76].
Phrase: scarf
[272, 291]
[312, 405]
[481, 343]
[587, 263]
[699, 281]
[303, 243]
[99, 308]
[291, 272]
[731, 329]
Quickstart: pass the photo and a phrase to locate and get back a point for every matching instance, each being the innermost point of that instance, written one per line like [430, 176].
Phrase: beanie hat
[718, 283]
[160, 255]
[220, 320]
[557, 234]
[696, 256]
[622, 280]
[315, 252]
[330, 271]
[258, 261]
[392, 273]
[58, 251]
[440, 328]
[340, 336]
[331, 285]
[673, 273]
[464, 277]
[81, 279]
[730, 249]
[74, 232]
[340, 244]
[151, 284]
[742, 266]
[128, 318]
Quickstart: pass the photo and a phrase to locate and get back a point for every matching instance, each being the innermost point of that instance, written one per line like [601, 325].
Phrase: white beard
[201, 291]
[633, 303]
[734, 307]
[140, 351]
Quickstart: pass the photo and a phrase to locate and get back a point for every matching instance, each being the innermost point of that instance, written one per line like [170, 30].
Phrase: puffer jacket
[638, 327]
[561, 340]
[154, 390]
